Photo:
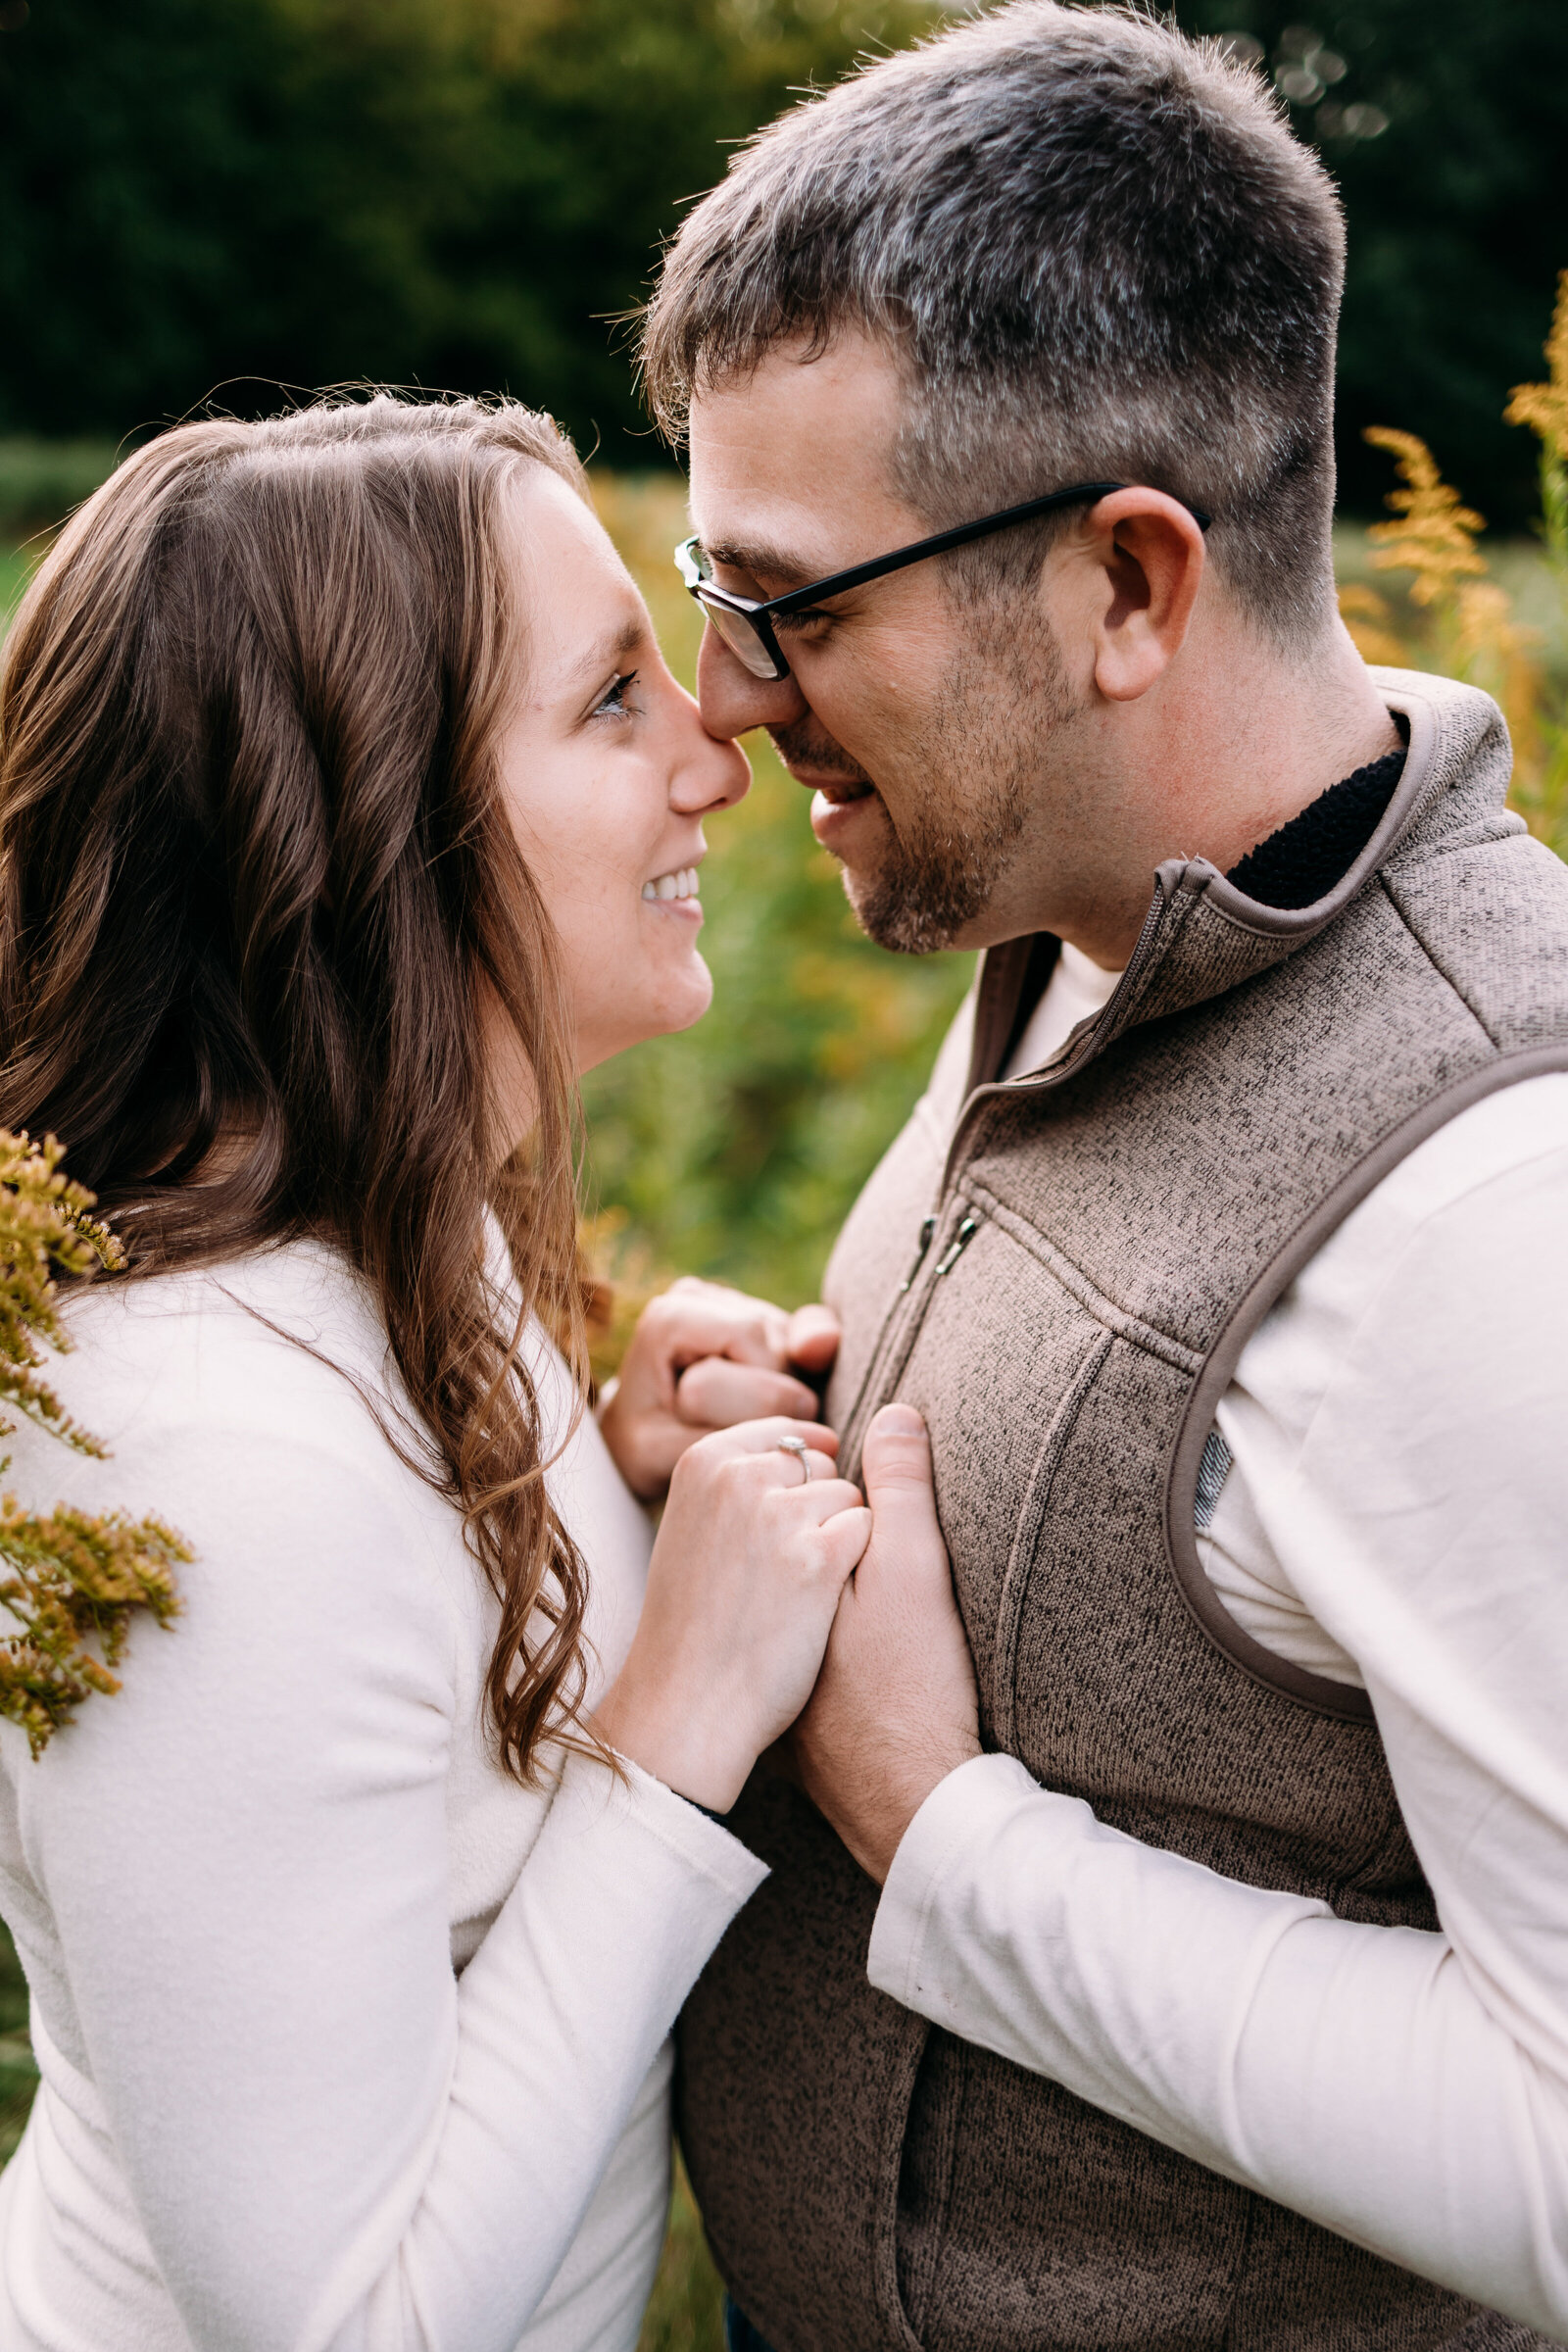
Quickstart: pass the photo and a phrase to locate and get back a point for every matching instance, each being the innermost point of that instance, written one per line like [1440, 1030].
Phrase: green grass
[18, 2077]
[41, 481]
[686, 2310]
[16, 567]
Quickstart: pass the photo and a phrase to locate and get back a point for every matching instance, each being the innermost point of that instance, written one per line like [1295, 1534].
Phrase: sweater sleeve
[1409, 2090]
[333, 2145]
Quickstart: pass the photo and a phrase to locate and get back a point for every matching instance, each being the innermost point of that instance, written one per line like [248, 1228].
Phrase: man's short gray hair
[1097, 253]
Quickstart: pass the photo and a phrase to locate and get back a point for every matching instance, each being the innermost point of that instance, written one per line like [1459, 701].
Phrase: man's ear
[1144, 561]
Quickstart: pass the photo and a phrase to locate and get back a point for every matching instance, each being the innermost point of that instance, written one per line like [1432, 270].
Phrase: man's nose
[733, 701]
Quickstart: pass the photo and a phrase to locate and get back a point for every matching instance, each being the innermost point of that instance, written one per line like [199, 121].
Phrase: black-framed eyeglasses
[746, 623]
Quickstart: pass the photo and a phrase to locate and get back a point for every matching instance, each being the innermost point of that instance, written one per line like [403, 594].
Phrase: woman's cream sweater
[340, 2029]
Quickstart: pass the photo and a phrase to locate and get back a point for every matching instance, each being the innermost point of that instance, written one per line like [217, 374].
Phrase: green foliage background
[450, 191]
[465, 191]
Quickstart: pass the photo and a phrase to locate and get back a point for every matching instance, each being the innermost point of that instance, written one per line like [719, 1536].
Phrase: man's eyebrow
[760, 562]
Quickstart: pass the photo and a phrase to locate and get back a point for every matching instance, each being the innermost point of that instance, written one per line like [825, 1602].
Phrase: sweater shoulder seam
[1392, 899]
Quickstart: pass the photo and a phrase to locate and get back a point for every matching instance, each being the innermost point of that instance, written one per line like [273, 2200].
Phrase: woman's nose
[713, 774]
[733, 701]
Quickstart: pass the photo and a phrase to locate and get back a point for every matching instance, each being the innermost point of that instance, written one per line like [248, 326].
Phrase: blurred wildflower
[1470, 630]
[43, 1224]
[1544, 407]
[1432, 536]
[1366, 616]
[73, 1578]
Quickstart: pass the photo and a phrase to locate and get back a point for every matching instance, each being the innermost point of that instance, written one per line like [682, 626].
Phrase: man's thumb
[896, 1471]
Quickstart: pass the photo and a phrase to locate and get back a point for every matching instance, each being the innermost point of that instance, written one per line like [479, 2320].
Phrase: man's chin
[891, 906]
[912, 904]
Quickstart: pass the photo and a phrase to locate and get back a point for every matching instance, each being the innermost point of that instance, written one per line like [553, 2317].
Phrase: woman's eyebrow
[610, 650]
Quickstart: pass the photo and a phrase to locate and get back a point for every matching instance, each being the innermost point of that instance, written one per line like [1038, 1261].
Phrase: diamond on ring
[797, 1447]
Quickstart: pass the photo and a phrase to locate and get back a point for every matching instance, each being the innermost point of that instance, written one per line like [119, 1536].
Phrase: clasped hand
[780, 1603]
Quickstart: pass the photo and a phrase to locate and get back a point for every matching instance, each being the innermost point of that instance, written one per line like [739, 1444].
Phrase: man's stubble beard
[982, 746]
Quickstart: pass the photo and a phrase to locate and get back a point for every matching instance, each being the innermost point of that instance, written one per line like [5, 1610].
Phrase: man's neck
[1230, 749]
[1290, 735]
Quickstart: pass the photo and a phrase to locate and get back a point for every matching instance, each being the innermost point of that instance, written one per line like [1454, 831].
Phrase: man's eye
[613, 704]
[809, 623]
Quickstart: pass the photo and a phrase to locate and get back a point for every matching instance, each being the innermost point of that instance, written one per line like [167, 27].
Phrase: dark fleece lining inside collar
[1300, 863]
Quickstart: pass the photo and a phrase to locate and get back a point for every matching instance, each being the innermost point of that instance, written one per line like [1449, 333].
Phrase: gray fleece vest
[1061, 1273]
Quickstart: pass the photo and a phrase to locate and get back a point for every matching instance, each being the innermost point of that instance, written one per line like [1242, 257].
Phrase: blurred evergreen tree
[445, 191]
[1445, 123]
[463, 191]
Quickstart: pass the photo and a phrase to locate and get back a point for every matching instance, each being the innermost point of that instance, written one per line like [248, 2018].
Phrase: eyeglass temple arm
[941, 541]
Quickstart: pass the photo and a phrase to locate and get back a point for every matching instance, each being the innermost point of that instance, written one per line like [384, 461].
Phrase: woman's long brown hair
[261, 907]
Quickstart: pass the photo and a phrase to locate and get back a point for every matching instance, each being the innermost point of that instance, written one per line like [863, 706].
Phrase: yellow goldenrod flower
[1434, 536]
[75, 1577]
[1366, 616]
[1544, 407]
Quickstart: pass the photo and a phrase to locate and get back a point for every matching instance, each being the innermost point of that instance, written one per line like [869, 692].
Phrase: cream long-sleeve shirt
[348, 2042]
[1395, 1513]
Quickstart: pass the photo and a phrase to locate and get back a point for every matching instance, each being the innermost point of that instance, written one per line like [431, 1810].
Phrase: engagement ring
[797, 1447]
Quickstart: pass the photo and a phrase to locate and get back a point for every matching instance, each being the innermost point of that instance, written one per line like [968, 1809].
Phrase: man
[1204, 1980]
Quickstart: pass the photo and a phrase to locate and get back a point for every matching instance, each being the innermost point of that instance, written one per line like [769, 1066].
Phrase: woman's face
[608, 772]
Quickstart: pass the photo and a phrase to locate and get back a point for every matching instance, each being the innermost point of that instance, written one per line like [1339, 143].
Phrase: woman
[347, 813]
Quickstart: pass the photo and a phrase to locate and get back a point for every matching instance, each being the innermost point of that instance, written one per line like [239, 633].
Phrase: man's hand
[704, 1357]
[895, 1709]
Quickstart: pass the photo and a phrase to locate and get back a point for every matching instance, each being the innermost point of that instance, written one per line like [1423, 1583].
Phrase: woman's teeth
[680, 885]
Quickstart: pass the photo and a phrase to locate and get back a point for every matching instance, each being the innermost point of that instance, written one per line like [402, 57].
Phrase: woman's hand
[896, 1708]
[752, 1555]
[704, 1358]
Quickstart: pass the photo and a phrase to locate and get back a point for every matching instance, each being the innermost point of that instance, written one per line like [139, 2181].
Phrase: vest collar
[1202, 937]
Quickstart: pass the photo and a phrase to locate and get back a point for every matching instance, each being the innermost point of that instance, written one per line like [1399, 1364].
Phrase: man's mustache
[806, 743]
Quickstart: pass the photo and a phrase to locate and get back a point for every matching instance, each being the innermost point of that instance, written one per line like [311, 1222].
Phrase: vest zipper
[1143, 948]
[957, 1247]
[902, 1327]
[901, 1323]
[926, 1230]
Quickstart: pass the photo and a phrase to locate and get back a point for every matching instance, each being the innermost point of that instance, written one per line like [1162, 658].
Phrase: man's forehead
[792, 457]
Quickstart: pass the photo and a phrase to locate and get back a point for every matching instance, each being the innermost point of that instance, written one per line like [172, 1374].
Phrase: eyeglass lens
[741, 638]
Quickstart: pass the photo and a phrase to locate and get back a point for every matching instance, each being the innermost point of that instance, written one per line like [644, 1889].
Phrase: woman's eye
[613, 704]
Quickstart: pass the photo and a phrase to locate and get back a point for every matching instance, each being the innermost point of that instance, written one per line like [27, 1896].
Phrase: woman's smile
[677, 891]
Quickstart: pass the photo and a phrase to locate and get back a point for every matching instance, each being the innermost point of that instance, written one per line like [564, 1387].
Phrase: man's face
[928, 731]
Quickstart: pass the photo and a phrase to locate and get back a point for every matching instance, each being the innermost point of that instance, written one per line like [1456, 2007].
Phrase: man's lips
[838, 784]
[816, 760]
[840, 811]
[836, 791]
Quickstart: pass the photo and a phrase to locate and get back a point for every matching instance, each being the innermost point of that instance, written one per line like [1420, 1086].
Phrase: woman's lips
[675, 893]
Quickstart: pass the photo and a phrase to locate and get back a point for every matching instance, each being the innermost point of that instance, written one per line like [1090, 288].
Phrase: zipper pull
[957, 1247]
[926, 1230]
